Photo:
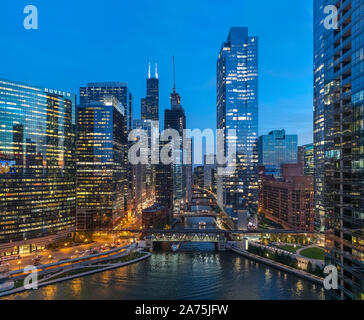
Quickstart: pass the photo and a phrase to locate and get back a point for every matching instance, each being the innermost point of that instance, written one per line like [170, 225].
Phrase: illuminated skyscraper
[237, 108]
[150, 104]
[175, 118]
[339, 140]
[37, 165]
[100, 164]
[96, 92]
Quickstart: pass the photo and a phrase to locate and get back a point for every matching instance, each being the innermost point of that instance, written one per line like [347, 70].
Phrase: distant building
[156, 216]
[288, 201]
[150, 104]
[275, 149]
[306, 159]
[210, 171]
[198, 176]
[37, 166]
[100, 164]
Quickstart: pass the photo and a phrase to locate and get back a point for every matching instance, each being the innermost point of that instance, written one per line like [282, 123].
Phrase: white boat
[5, 283]
[175, 246]
[202, 224]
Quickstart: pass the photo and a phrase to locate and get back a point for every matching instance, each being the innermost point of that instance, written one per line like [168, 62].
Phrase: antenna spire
[174, 77]
[156, 70]
[149, 70]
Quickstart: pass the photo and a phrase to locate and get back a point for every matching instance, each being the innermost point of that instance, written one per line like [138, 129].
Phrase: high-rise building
[339, 101]
[150, 104]
[96, 92]
[275, 149]
[37, 166]
[306, 159]
[145, 174]
[164, 182]
[237, 108]
[175, 118]
[100, 164]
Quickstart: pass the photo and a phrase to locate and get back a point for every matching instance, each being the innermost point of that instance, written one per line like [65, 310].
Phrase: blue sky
[83, 41]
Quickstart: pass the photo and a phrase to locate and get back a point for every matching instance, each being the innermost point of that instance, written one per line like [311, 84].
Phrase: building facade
[37, 164]
[175, 118]
[96, 91]
[306, 159]
[100, 164]
[289, 200]
[277, 148]
[237, 108]
[339, 68]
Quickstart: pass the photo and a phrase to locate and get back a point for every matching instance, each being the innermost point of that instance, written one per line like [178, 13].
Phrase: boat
[202, 224]
[5, 283]
[175, 246]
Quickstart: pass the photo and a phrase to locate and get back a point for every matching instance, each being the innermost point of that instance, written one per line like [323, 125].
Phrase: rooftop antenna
[156, 70]
[149, 70]
[174, 77]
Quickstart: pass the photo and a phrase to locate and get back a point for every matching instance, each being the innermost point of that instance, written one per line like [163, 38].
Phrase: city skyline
[278, 66]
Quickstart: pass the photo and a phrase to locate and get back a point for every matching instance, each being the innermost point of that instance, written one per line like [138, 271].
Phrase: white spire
[156, 70]
[149, 71]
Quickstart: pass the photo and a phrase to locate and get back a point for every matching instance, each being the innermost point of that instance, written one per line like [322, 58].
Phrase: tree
[309, 267]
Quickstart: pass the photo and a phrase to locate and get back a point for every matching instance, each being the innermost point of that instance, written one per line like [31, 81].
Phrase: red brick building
[288, 201]
[155, 216]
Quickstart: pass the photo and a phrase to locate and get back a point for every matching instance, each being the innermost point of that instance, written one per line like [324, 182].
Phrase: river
[196, 271]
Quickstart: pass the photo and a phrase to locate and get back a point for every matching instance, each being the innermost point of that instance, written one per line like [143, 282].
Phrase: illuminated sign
[58, 92]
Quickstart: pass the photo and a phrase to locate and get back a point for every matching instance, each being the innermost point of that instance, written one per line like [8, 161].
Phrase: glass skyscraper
[96, 91]
[275, 149]
[37, 162]
[175, 118]
[100, 164]
[339, 101]
[237, 108]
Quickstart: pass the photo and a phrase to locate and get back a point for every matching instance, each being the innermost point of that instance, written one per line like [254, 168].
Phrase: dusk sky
[80, 41]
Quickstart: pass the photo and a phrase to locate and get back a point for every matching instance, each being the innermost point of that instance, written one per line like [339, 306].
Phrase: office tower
[275, 149]
[100, 165]
[237, 108]
[198, 176]
[288, 200]
[96, 92]
[306, 159]
[37, 166]
[175, 118]
[150, 104]
[339, 98]
[144, 174]
[164, 182]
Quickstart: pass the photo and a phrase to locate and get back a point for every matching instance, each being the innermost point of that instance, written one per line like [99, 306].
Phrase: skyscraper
[150, 104]
[100, 163]
[275, 149]
[175, 118]
[237, 108]
[37, 165]
[339, 101]
[96, 92]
